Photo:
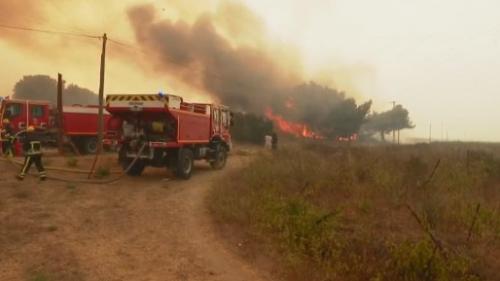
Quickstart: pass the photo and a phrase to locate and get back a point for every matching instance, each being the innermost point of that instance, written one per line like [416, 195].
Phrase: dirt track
[147, 228]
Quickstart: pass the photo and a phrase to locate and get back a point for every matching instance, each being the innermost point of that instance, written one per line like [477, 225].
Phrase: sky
[439, 59]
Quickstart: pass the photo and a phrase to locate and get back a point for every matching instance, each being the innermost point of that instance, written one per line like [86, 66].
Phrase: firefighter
[32, 149]
[7, 137]
[274, 141]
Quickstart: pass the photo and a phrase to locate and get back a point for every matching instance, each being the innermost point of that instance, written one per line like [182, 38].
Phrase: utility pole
[394, 131]
[442, 131]
[60, 119]
[100, 133]
[430, 132]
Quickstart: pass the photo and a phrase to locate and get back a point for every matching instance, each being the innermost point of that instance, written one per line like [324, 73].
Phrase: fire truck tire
[89, 145]
[136, 169]
[220, 158]
[185, 163]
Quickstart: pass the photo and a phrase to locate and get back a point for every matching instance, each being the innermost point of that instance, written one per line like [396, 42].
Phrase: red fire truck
[79, 122]
[168, 132]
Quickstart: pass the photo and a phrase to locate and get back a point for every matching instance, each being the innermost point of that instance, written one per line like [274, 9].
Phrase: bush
[421, 260]
[102, 172]
[250, 128]
[72, 162]
[334, 212]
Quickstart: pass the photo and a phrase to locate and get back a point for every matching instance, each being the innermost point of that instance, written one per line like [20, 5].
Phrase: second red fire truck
[79, 122]
[162, 130]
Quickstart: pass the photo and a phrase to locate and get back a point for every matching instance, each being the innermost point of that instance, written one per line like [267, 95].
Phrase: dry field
[321, 212]
[147, 228]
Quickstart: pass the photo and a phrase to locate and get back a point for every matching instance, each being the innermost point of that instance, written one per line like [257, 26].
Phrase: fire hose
[61, 169]
[123, 173]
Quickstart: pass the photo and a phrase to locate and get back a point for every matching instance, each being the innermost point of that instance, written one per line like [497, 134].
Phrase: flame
[296, 129]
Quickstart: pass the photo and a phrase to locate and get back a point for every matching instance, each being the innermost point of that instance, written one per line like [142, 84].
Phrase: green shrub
[39, 277]
[102, 172]
[421, 260]
[72, 162]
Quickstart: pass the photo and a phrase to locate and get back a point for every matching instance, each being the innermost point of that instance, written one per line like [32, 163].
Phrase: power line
[65, 33]
[124, 44]
[120, 43]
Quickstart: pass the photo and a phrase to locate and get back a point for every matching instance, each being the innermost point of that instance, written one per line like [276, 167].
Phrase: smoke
[20, 11]
[246, 78]
[241, 77]
[216, 47]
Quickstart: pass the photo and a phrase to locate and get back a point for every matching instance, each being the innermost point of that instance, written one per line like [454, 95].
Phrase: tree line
[335, 117]
[43, 87]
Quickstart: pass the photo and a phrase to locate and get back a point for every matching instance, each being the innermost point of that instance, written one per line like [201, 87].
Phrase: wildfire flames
[296, 129]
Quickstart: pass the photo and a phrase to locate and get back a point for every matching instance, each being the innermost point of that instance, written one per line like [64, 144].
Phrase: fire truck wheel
[136, 169]
[89, 145]
[184, 167]
[220, 158]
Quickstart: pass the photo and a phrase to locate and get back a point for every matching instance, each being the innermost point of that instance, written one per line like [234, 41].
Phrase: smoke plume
[216, 47]
[243, 77]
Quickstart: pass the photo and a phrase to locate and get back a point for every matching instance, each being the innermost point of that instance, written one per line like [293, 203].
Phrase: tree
[250, 128]
[345, 119]
[77, 95]
[43, 87]
[36, 87]
[383, 123]
[309, 103]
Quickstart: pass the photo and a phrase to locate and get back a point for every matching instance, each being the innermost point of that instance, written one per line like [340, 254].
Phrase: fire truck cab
[79, 122]
[23, 113]
[164, 131]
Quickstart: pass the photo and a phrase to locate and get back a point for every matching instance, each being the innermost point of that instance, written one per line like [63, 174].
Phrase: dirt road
[147, 228]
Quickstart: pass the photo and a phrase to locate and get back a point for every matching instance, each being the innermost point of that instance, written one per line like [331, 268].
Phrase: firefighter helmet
[6, 121]
[30, 129]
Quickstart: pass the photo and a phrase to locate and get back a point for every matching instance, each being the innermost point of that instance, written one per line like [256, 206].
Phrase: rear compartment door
[225, 125]
[216, 121]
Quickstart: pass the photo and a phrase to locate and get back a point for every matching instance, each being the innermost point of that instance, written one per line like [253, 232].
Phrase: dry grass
[371, 213]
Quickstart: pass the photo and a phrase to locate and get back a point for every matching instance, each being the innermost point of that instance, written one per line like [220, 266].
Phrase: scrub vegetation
[325, 212]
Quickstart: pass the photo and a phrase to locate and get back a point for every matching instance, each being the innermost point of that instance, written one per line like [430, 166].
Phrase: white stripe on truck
[83, 110]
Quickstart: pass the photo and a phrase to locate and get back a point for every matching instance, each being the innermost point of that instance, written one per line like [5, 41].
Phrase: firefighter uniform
[32, 149]
[7, 138]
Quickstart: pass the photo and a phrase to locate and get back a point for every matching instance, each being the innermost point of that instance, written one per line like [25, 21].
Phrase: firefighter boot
[43, 176]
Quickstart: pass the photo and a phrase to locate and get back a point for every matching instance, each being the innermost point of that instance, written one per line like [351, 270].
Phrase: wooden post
[430, 132]
[393, 131]
[60, 119]
[100, 133]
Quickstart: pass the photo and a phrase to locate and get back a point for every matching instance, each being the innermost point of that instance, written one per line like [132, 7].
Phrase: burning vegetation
[295, 129]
